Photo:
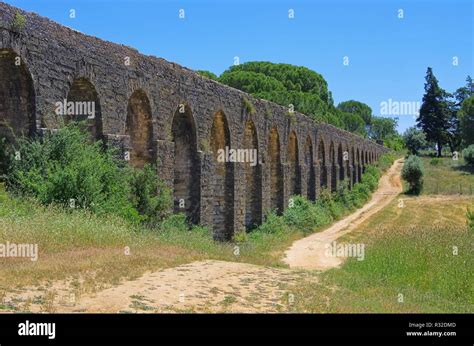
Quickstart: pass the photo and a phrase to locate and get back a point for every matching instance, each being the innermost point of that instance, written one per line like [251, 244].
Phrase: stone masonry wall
[54, 58]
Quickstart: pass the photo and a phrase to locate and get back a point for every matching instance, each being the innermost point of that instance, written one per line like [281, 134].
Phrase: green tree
[455, 133]
[435, 112]
[382, 128]
[359, 108]
[412, 172]
[414, 139]
[352, 122]
[466, 120]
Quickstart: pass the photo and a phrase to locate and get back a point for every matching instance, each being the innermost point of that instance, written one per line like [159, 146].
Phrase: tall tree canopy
[359, 108]
[382, 128]
[435, 112]
[466, 120]
[299, 86]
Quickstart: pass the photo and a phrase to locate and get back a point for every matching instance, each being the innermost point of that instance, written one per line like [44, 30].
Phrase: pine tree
[435, 112]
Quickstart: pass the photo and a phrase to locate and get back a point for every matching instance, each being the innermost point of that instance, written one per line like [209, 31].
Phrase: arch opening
[223, 182]
[333, 163]
[276, 177]
[17, 97]
[340, 162]
[310, 179]
[253, 180]
[293, 165]
[83, 104]
[140, 129]
[323, 182]
[186, 183]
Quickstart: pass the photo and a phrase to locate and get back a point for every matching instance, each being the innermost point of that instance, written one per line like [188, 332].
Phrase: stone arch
[354, 166]
[309, 164]
[223, 179]
[340, 162]
[85, 105]
[276, 176]
[186, 183]
[17, 97]
[139, 127]
[323, 182]
[253, 179]
[359, 166]
[333, 163]
[293, 165]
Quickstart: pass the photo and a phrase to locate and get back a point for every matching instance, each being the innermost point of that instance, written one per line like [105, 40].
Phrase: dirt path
[201, 286]
[211, 286]
[310, 252]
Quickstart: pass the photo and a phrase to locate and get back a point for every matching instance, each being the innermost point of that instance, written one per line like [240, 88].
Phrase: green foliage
[19, 21]
[466, 120]
[352, 122]
[251, 82]
[273, 224]
[382, 128]
[358, 108]
[64, 168]
[306, 216]
[248, 106]
[293, 78]
[435, 112]
[305, 89]
[414, 139]
[394, 142]
[284, 84]
[5, 154]
[412, 172]
[468, 155]
[149, 195]
[208, 74]
[385, 161]
[470, 219]
[436, 161]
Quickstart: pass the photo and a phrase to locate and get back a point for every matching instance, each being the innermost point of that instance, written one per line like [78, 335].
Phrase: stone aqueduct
[161, 112]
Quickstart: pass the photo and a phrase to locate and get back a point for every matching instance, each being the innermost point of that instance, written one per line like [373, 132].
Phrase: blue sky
[388, 56]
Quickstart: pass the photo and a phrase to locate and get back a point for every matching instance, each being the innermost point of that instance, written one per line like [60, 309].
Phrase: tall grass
[418, 258]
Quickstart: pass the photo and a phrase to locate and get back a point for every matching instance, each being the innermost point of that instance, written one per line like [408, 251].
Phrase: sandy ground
[201, 286]
[310, 252]
[210, 286]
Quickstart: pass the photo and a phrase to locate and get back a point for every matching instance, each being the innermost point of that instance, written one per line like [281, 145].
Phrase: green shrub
[304, 215]
[385, 161]
[5, 154]
[174, 223]
[470, 219]
[273, 224]
[412, 172]
[149, 195]
[64, 168]
[468, 155]
[19, 21]
[435, 161]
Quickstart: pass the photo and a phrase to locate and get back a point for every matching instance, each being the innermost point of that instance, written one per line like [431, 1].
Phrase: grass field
[447, 176]
[418, 255]
[406, 258]
[101, 251]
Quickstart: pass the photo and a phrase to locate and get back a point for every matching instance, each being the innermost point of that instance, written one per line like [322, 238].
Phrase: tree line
[308, 92]
[445, 119]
